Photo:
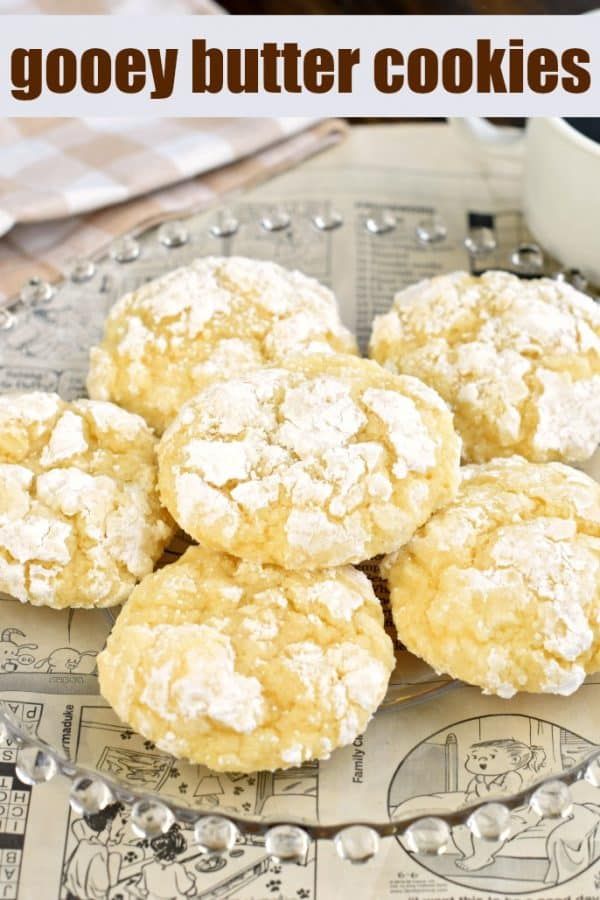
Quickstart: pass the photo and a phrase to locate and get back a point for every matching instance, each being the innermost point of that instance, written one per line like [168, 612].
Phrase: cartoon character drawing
[13, 655]
[67, 659]
[164, 877]
[93, 867]
[491, 757]
[500, 766]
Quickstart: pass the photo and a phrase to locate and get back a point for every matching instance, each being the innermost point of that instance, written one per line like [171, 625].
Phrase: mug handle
[508, 141]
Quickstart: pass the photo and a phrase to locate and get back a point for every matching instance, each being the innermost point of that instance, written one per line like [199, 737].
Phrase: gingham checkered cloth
[63, 182]
[68, 187]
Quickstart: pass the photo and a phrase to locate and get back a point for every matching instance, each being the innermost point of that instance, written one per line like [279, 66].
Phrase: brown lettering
[580, 79]
[489, 69]
[291, 54]
[26, 73]
[384, 60]
[347, 59]
[318, 71]
[130, 70]
[515, 66]
[207, 68]
[457, 70]
[96, 71]
[542, 70]
[163, 73]
[61, 71]
[269, 55]
[422, 70]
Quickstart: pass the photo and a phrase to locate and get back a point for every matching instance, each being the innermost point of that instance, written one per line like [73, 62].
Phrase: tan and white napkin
[68, 187]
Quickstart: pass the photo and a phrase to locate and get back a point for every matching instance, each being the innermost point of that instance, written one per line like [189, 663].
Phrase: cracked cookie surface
[329, 461]
[80, 517]
[243, 667]
[502, 587]
[517, 360]
[215, 317]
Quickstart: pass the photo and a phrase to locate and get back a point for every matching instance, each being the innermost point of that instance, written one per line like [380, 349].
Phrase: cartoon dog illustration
[12, 655]
[67, 659]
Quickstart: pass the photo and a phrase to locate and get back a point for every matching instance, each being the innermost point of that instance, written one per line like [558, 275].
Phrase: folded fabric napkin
[68, 187]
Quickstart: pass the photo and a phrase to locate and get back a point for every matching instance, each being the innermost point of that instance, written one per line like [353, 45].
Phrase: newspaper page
[454, 749]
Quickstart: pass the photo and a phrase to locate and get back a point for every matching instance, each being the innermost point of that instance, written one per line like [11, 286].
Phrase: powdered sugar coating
[518, 361]
[80, 518]
[502, 587]
[329, 461]
[243, 667]
[216, 317]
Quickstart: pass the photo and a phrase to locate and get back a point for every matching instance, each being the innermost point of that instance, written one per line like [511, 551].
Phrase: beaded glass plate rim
[527, 259]
[424, 834]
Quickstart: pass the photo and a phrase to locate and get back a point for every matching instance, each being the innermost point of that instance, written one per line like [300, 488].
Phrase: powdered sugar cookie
[216, 316]
[243, 667]
[502, 587]
[328, 461]
[80, 517]
[517, 360]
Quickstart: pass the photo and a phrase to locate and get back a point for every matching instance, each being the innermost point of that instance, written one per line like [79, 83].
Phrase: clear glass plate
[54, 720]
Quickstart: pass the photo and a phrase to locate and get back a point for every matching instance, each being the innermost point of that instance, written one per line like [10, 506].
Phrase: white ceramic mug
[561, 185]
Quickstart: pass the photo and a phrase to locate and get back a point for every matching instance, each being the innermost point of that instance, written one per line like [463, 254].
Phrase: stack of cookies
[502, 587]
[290, 460]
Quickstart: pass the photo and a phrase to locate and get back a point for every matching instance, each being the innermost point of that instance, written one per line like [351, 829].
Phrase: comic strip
[104, 849]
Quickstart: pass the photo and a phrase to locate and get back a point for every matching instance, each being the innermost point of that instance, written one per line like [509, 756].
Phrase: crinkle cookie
[80, 517]
[517, 360]
[217, 316]
[243, 667]
[502, 587]
[329, 461]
